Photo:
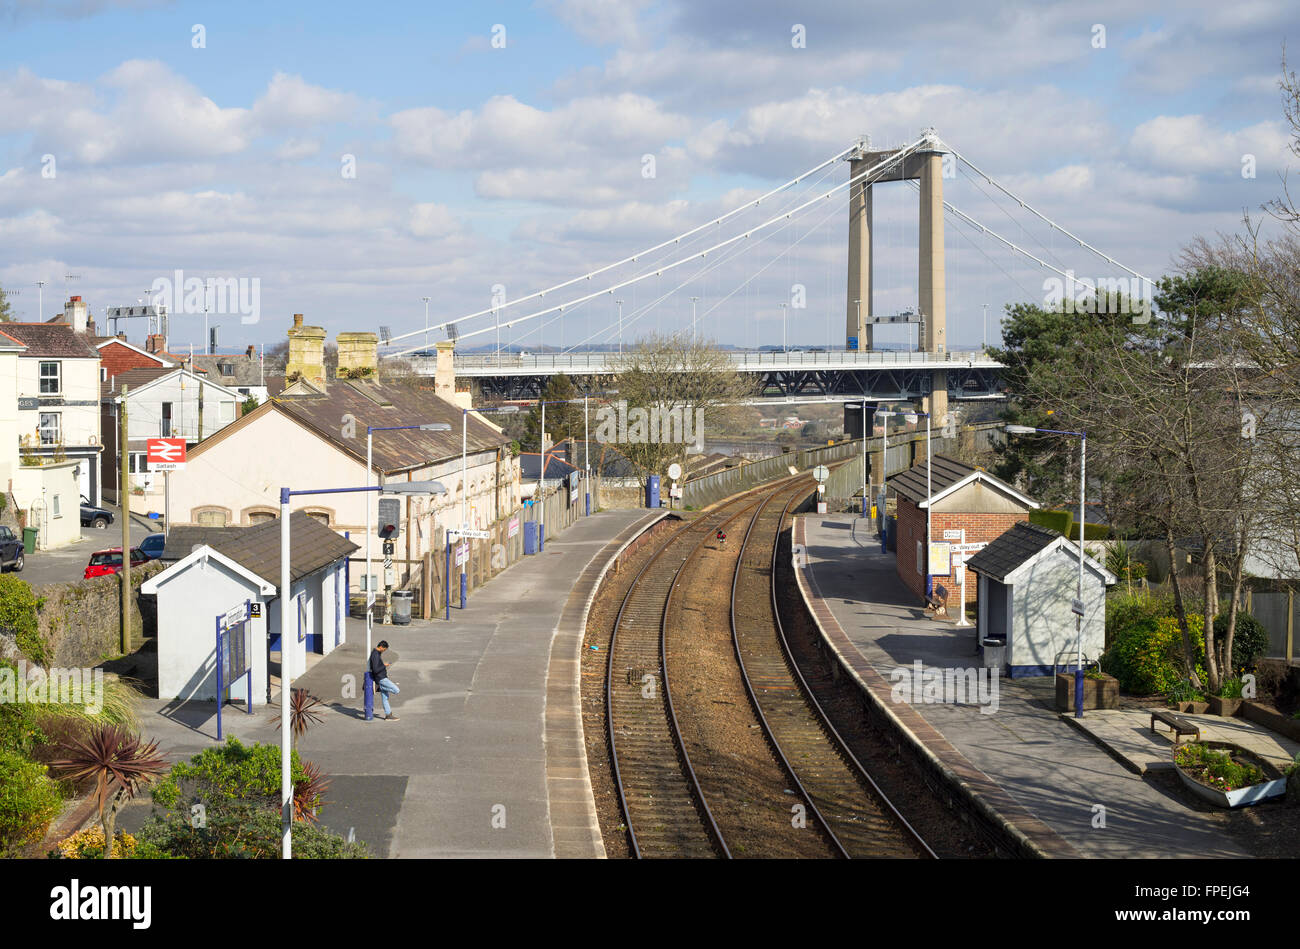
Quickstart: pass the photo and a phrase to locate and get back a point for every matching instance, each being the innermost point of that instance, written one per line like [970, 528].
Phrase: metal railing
[511, 363]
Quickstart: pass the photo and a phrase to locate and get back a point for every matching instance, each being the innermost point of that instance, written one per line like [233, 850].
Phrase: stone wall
[80, 621]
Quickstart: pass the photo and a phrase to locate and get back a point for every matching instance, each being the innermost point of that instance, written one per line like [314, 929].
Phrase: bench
[1179, 726]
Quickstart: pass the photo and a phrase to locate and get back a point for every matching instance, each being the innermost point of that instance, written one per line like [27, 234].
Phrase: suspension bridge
[727, 256]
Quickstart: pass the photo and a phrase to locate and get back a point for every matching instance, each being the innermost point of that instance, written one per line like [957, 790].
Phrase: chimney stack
[153, 343]
[306, 353]
[75, 314]
[358, 355]
[249, 354]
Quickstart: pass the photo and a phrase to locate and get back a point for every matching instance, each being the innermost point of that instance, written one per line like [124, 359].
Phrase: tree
[1160, 399]
[562, 421]
[671, 385]
[6, 310]
[120, 765]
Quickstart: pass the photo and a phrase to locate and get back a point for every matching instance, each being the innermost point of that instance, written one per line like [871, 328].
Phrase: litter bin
[995, 652]
[29, 539]
[402, 600]
[530, 537]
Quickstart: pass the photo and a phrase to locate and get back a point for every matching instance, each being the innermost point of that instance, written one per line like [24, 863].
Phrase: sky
[345, 161]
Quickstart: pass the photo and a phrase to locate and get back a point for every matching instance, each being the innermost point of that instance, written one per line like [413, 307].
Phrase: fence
[488, 556]
[1279, 612]
[847, 480]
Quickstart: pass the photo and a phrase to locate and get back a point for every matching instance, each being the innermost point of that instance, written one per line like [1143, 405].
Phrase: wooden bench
[1179, 726]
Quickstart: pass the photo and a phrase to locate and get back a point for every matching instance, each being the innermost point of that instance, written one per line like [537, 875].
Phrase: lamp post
[426, 322]
[464, 483]
[370, 454]
[286, 672]
[858, 327]
[1077, 606]
[785, 345]
[620, 326]
[693, 302]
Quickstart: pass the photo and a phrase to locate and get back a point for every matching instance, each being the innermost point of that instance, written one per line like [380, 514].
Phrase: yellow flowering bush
[89, 844]
[1147, 656]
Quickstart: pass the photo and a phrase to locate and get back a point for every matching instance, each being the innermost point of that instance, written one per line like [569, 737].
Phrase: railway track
[666, 813]
[857, 817]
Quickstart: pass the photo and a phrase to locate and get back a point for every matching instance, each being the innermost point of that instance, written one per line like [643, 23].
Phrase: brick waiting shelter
[963, 499]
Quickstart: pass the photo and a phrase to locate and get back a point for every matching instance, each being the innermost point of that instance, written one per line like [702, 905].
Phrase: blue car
[152, 546]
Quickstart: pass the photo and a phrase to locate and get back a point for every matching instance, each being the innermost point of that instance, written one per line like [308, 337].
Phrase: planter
[1226, 707]
[1273, 785]
[1195, 708]
[1097, 693]
[1271, 719]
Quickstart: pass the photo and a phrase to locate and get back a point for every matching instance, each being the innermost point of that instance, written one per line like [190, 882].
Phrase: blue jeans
[385, 686]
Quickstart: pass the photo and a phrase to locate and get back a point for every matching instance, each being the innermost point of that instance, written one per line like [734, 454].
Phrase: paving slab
[1024, 758]
[465, 770]
[1127, 735]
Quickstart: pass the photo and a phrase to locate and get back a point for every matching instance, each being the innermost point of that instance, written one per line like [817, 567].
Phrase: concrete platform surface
[465, 771]
[1126, 734]
[1014, 736]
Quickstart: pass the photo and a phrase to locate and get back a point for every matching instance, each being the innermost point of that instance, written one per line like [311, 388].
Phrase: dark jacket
[377, 668]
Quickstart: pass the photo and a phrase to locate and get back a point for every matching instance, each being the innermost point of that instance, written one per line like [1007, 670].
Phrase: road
[69, 563]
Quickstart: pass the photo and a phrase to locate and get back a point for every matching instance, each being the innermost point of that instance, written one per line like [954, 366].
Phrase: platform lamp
[929, 490]
[865, 485]
[464, 488]
[286, 673]
[1077, 606]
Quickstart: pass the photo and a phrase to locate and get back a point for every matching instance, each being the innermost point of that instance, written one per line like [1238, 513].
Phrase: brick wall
[979, 528]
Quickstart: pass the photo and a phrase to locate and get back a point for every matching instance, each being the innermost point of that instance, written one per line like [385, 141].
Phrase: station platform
[1031, 771]
[487, 757]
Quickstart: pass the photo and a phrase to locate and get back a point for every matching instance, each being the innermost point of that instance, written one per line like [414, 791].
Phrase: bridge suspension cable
[649, 250]
[870, 173]
[1034, 211]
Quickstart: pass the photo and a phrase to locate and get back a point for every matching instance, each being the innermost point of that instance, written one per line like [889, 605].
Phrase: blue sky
[521, 164]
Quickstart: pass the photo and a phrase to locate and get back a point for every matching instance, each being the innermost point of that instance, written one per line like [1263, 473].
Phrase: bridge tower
[925, 166]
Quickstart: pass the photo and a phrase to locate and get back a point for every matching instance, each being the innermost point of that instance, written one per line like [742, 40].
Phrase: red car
[104, 562]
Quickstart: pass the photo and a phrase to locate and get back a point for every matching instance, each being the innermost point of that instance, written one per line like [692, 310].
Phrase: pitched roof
[243, 370]
[134, 378]
[530, 465]
[947, 475]
[51, 339]
[1018, 546]
[373, 404]
[312, 546]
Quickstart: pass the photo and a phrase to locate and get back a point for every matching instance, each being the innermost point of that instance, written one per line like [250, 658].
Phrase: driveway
[69, 563]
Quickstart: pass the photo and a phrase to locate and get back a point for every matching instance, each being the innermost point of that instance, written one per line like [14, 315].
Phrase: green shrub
[1231, 689]
[29, 800]
[1249, 639]
[1059, 521]
[232, 771]
[1146, 655]
[1184, 691]
[18, 606]
[234, 828]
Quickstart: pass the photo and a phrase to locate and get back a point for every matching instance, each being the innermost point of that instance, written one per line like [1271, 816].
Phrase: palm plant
[308, 793]
[302, 714]
[119, 763]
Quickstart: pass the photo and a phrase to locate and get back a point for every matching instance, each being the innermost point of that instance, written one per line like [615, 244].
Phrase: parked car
[105, 562]
[152, 546]
[95, 517]
[11, 550]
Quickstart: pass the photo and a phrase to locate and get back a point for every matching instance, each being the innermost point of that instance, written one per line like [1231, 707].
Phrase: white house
[1028, 581]
[313, 436]
[162, 402]
[58, 395]
[213, 571]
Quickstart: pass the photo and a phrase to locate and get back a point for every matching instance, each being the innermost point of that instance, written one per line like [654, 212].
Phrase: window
[137, 462]
[321, 516]
[165, 429]
[212, 518]
[259, 517]
[57, 506]
[50, 378]
[918, 558]
[49, 428]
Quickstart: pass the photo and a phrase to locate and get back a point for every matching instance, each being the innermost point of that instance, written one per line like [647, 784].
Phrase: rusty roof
[373, 404]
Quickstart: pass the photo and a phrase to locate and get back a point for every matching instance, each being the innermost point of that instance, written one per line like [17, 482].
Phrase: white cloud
[1189, 143]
